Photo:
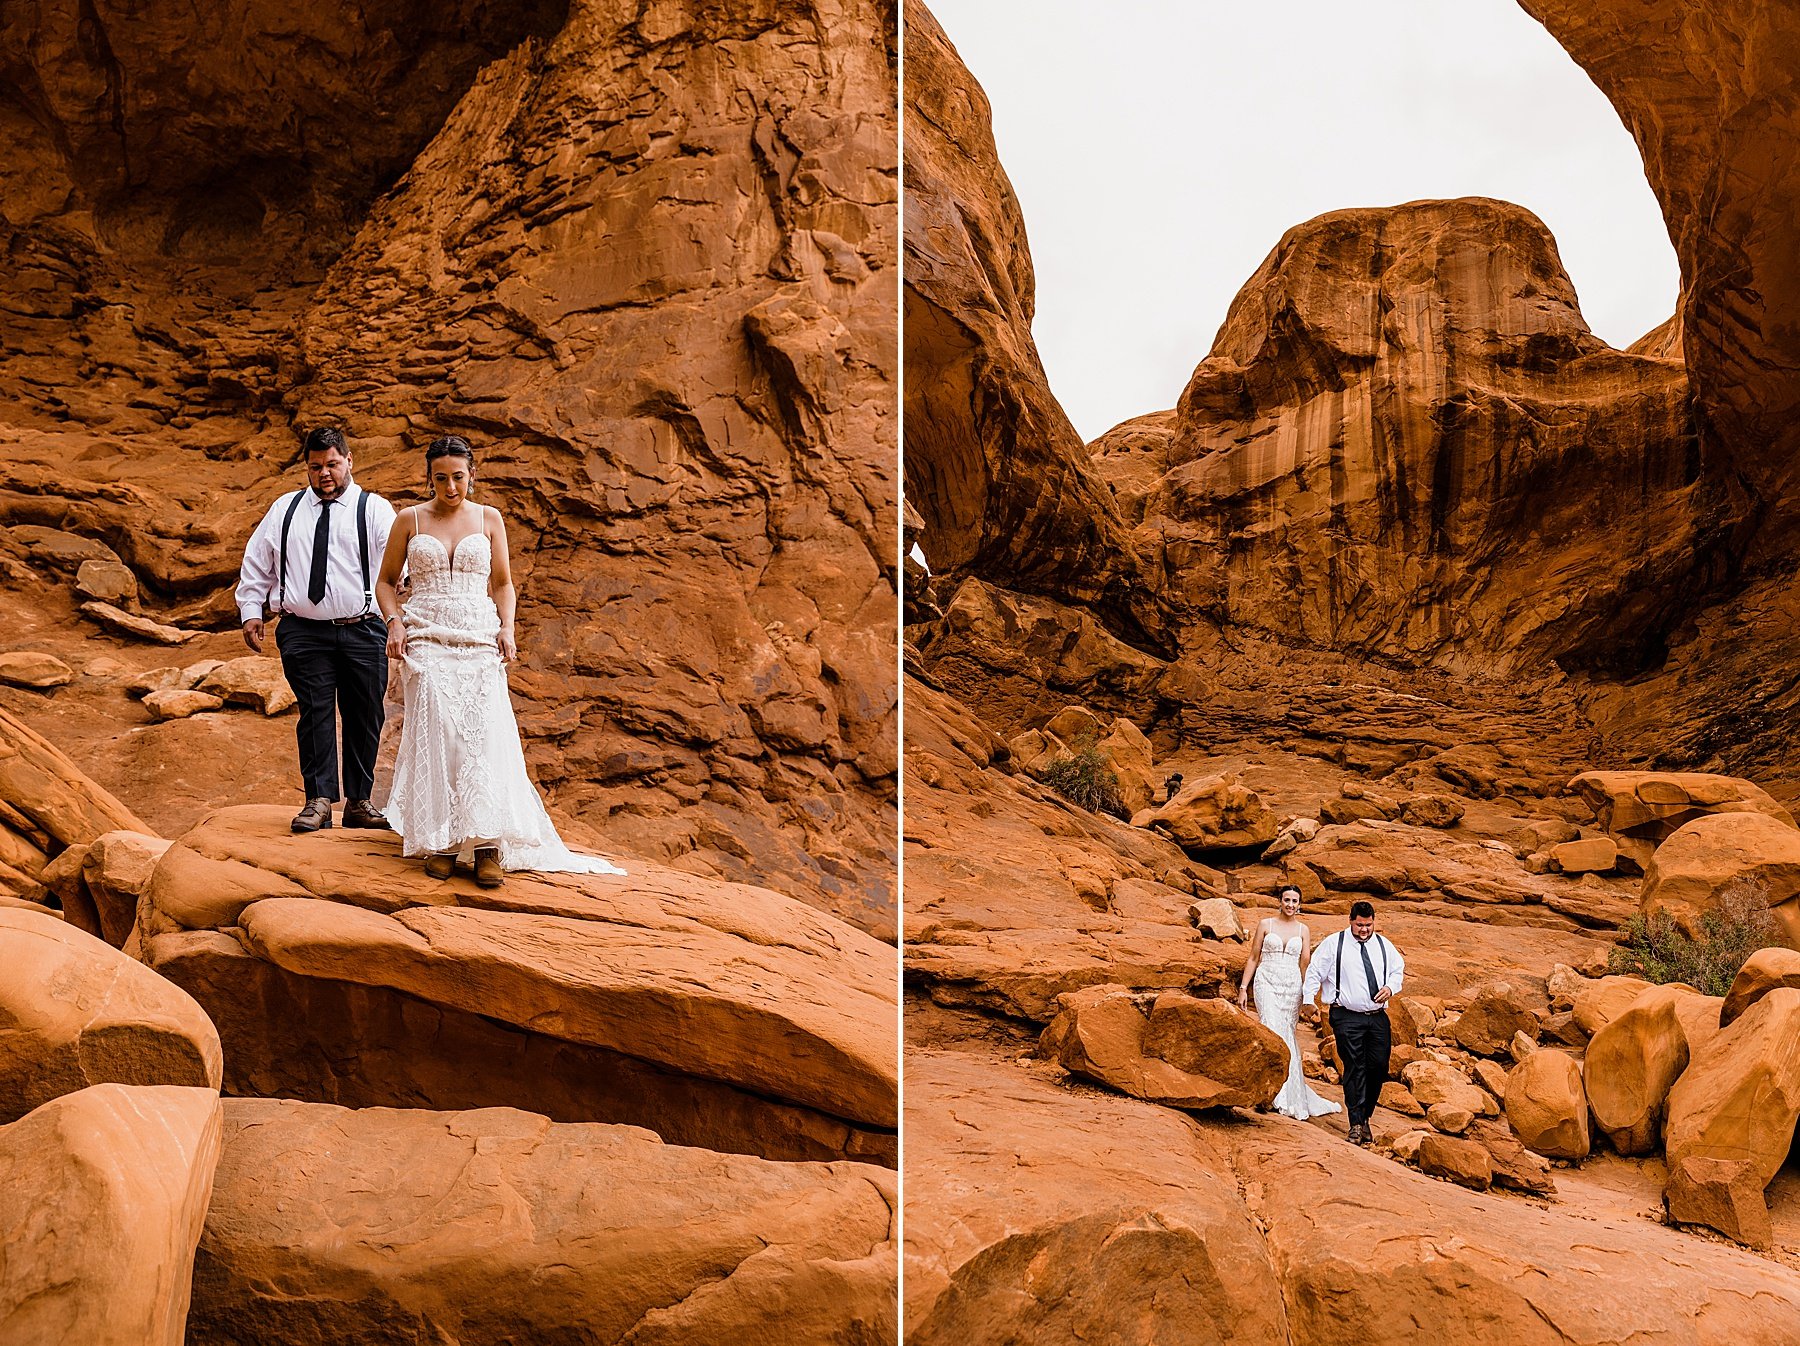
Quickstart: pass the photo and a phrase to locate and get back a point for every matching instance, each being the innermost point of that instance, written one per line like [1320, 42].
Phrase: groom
[1358, 972]
[312, 560]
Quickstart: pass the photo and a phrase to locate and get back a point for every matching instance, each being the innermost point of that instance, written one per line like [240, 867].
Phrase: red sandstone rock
[102, 1194]
[1546, 1105]
[497, 1226]
[1712, 859]
[1762, 972]
[1740, 1094]
[74, 1013]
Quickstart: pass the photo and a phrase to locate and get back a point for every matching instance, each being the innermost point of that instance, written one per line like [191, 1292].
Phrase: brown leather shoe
[315, 817]
[487, 867]
[361, 813]
[440, 866]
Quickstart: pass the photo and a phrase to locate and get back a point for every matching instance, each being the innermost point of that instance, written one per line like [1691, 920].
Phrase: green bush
[1657, 950]
[1086, 780]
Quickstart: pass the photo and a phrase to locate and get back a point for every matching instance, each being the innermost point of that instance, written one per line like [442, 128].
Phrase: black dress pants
[336, 671]
[1364, 1044]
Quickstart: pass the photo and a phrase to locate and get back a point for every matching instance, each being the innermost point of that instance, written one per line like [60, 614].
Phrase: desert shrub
[1084, 779]
[1657, 950]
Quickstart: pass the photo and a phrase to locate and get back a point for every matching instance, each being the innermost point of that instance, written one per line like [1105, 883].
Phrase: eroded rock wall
[642, 257]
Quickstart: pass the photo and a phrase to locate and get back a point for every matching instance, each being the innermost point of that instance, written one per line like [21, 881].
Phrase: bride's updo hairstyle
[449, 446]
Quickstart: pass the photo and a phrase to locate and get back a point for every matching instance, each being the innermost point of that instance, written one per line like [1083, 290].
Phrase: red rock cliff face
[993, 465]
[1709, 92]
[1406, 443]
[642, 256]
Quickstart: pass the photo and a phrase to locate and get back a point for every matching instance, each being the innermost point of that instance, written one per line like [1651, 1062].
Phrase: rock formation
[645, 261]
[497, 1226]
[717, 1014]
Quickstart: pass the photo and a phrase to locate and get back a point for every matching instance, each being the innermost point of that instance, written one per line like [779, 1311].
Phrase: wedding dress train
[459, 775]
[1277, 990]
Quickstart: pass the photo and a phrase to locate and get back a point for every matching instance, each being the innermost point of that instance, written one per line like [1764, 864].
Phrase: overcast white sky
[1160, 149]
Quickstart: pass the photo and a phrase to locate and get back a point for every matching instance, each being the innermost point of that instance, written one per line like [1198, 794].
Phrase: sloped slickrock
[1546, 1105]
[1151, 1245]
[75, 1012]
[102, 1195]
[1406, 1258]
[1216, 813]
[1762, 972]
[497, 1226]
[1740, 1095]
[993, 465]
[720, 983]
[647, 263]
[1172, 1048]
[1634, 1060]
[1714, 858]
[48, 804]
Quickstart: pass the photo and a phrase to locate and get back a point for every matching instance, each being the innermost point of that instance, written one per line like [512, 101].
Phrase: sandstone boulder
[1590, 855]
[1740, 1094]
[496, 1226]
[1488, 1023]
[40, 672]
[1762, 972]
[251, 681]
[1213, 813]
[1713, 859]
[1435, 1082]
[102, 1195]
[1546, 1105]
[107, 581]
[1216, 918]
[1431, 810]
[1398, 1098]
[1075, 724]
[46, 805]
[1464, 1162]
[1630, 1066]
[116, 870]
[1449, 1119]
[1605, 999]
[1722, 1194]
[719, 1014]
[1290, 836]
[1132, 760]
[75, 1012]
[1514, 1166]
[1001, 1244]
[1173, 1049]
[1034, 750]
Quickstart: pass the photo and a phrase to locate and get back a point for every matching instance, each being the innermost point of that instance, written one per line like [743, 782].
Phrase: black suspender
[286, 520]
[362, 544]
[1337, 981]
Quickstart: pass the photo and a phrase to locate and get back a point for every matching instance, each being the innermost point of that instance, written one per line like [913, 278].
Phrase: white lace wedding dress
[459, 776]
[1277, 990]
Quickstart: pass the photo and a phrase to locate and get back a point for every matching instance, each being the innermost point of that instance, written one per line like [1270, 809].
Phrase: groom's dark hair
[1362, 909]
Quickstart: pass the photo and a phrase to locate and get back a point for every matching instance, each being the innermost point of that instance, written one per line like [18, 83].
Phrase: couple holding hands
[1357, 972]
[330, 558]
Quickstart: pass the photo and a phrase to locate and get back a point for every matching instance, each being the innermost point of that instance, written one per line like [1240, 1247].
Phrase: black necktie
[1374, 986]
[315, 587]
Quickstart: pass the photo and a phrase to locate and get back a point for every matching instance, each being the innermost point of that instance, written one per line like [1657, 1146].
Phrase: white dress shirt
[260, 578]
[1355, 993]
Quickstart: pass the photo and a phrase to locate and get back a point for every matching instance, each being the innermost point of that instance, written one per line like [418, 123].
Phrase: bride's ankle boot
[487, 867]
[440, 866]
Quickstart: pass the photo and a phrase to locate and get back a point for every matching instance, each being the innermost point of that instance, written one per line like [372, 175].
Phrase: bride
[1278, 956]
[459, 778]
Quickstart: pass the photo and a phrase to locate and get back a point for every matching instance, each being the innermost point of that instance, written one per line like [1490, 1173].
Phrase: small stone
[40, 672]
[1523, 1045]
[176, 704]
[1216, 917]
[1406, 1145]
[1431, 811]
[140, 685]
[1398, 1098]
[1590, 855]
[107, 581]
[130, 624]
[252, 681]
[1449, 1118]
